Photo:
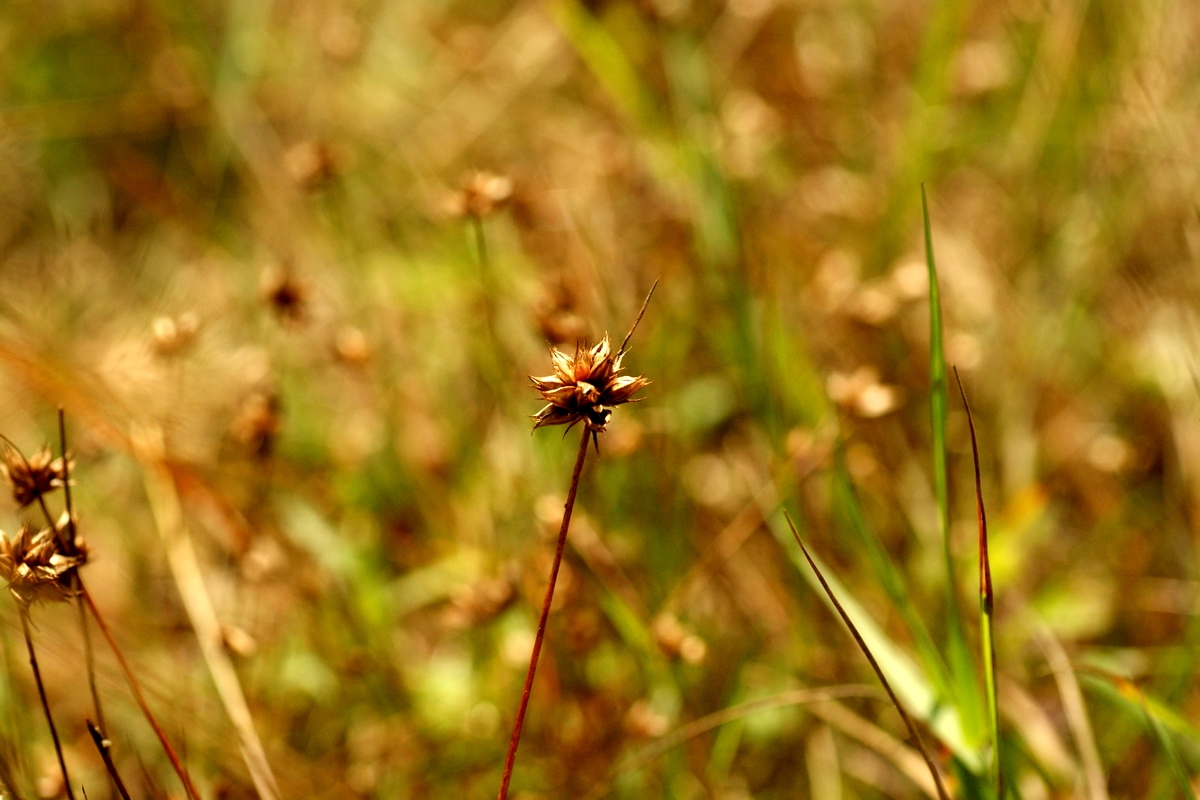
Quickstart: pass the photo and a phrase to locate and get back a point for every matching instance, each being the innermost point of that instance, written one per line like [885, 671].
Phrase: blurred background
[288, 264]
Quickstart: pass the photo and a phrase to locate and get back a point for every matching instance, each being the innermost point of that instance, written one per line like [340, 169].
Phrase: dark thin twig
[136, 688]
[541, 629]
[637, 319]
[89, 654]
[104, 746]
[37, 677]
[912, 727]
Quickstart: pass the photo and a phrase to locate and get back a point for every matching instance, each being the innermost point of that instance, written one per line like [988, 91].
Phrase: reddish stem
[541, 629]
[188, 786]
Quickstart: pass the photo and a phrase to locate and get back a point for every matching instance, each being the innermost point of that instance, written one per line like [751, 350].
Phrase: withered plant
[585, 387]
[41, 565]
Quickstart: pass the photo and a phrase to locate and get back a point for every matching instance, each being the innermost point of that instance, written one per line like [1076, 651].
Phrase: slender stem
[37, 677]
[136, 688]
[77, 582]
[986, 606]
[541, 629]
[104, 746]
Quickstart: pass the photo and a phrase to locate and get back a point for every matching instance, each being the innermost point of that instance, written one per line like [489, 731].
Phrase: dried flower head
[32, 477]
[480, 195]
[35, 567]
[588, 385]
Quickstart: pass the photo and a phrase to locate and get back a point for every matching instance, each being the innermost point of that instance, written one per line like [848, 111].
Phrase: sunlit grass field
[287, 267]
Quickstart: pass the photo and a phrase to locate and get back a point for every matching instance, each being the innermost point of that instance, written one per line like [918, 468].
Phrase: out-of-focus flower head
[35, 567]
[33, 477]
[480, 195]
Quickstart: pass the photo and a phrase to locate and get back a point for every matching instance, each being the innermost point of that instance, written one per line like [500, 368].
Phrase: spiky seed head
[35, 567]
[585, 387]
[33, 477]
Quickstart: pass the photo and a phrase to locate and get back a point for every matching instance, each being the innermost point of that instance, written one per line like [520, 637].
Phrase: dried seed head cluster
[33, 477]
[585, 387]
[35, 567]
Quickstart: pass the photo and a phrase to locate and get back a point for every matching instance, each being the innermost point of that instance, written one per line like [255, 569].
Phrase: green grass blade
[986, 606]
[912, 728]
[1159, 719]
[965, 688]
[890, 577]
[1168, 747]
[909, 682]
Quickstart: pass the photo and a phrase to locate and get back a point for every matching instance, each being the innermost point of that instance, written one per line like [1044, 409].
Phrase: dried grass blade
[185, 568]
[986, 605]
[823, 694]
[1075, 711]
[912, 728]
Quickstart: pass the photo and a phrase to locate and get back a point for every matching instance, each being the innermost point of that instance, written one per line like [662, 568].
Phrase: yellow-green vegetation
[287, 268]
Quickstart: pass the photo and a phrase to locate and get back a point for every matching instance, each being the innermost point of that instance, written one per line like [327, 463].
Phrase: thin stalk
[89, 654]
[37, 677]
[104, 746]
[986, 606]
[541, 629]
[136, 688]
[908, 721]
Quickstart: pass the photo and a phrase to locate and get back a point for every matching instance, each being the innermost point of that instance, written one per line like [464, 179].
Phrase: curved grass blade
[1168, 747]
[966, 691]
[889, 576]
[986, 606]
[1075, 712]
[906, 677]
[912, 727]
[795, 697]
[1128, 695]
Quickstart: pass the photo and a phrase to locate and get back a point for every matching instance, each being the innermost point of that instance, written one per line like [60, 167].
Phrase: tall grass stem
[89, 655]
[136, 688]
[541, 629]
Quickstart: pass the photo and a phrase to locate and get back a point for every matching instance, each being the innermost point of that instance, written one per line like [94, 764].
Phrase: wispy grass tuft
[986, 606]
[912, 727]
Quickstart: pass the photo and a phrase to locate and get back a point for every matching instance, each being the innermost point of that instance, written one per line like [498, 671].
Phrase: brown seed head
[35, 567]
[585, 387]
[32, 477]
